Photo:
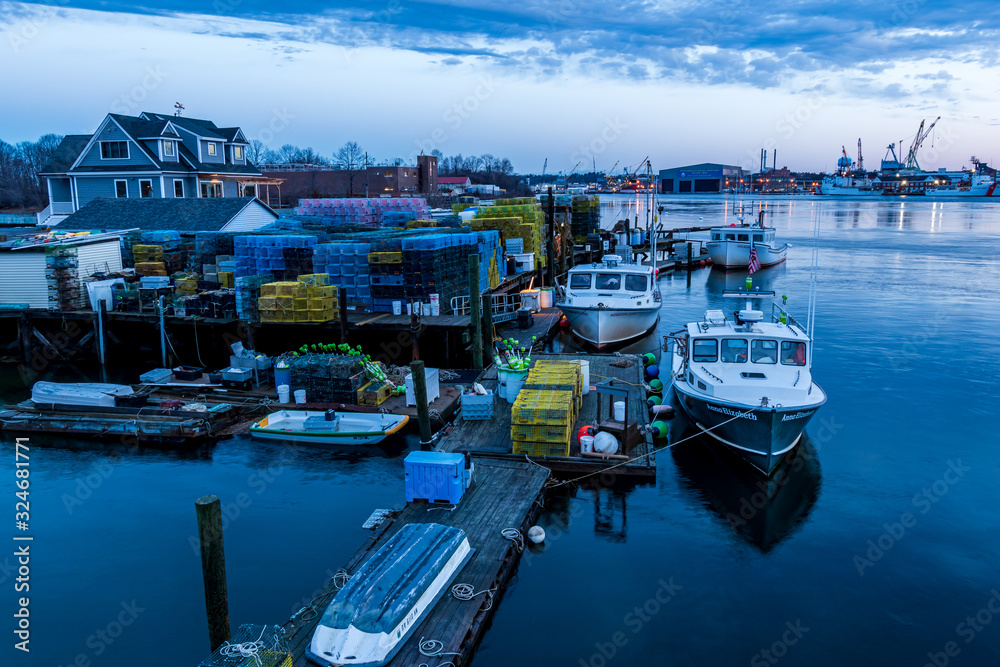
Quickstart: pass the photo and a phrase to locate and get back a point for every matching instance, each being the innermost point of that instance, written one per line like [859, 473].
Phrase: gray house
[150, 156]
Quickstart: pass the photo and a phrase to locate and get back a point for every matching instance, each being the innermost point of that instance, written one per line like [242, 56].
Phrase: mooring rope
[310, 611]
[246, 649]
[515, 536]
[466, 592]
[432, 648]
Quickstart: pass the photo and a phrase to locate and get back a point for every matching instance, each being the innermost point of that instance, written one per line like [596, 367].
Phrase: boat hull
[976, 190]
[736, 254]
[608, 326]
[759, 435]
[355, 428]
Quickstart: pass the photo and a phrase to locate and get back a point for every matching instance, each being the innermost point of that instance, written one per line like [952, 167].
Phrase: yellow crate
[535, 407]
[284, 303]
[541, 448]
[300, 304]
[269, 289]
[300, 316]
[269, 316]
[374, 393]
[147, 253]
[541, 433]
[322, 292]
[322, 304]
[267, 303]
[288, 288]
[325, 315]
[385, 257]
[315, 279]
[151, 268]
[226, 278]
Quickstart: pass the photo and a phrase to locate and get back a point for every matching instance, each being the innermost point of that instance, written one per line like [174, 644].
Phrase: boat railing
[781, 316]
[505, 306]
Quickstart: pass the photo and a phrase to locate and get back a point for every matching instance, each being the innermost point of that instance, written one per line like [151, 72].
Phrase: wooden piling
[487, 328]
[99, 331]
[213, 568]
[342, 304]
[550, 242]
[420, 396]
[474, 312]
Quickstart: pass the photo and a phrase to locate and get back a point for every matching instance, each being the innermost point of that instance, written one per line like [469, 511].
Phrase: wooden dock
[504, 494]
[493, 436]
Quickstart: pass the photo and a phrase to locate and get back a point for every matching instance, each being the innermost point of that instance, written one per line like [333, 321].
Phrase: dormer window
[237, 152]
[114, 150]
[168, 148]
[211, 148]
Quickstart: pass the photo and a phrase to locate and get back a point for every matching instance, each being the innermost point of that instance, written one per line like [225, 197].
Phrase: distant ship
[898, 178]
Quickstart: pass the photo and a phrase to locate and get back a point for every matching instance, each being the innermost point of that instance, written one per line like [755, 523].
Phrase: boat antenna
[811, 320]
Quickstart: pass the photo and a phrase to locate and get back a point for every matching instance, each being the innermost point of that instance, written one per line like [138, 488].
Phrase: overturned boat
[381, 605]
[328, 427]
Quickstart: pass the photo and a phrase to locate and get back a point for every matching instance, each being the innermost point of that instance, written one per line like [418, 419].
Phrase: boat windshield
[580, 281]
[793, 353]
[609, 281]
[734, 350]
[764, 351]
[705, 349]
[636, 283]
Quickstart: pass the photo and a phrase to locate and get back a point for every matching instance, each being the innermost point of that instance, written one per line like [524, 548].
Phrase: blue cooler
[436, 477]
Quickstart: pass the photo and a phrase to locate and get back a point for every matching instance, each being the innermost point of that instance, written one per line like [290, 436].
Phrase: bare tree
[256, 151]
[350, 158]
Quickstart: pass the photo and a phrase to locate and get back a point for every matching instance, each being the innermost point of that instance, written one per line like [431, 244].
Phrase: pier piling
[487, 328]
[342, 302]
[420, 396]
[213, 568]
[474, 312]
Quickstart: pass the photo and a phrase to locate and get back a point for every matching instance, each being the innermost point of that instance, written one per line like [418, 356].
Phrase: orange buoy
[703, 262]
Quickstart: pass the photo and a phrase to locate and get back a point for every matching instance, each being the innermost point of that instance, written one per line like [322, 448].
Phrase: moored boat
[729, 247]
[381, 605]
[328, 427]
[611, 302]
[745, 382]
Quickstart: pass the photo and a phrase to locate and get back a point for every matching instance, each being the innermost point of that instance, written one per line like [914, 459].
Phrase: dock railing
[505, 306]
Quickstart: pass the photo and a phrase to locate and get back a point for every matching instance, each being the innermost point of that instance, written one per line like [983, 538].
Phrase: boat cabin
[743, 234]
[612, 282]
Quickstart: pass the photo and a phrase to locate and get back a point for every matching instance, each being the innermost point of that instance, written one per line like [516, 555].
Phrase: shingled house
[150, 156]
[225, 214]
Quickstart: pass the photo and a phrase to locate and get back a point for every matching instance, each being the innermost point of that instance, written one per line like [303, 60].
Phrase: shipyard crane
[918, 140]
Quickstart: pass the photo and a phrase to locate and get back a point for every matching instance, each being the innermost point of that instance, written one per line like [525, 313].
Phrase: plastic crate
[552, 433]
[374, 394]
[433, 387]
[436, 477]
[476, 407]
[543, 407]
[156, 375]
[541, 448]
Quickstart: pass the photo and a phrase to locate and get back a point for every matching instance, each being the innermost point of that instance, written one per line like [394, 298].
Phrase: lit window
[211, 149]
[145, 189]
[168, 148]
[210, 190]
[237, 152]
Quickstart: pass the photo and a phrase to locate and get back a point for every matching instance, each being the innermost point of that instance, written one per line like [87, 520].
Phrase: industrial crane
[922, 134]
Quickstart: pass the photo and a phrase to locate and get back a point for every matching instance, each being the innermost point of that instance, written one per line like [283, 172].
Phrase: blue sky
[574, 82]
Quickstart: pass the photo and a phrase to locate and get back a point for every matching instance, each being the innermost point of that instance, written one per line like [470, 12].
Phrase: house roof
[204, 128]
[66, 153]
[453, 180]
[191, 215]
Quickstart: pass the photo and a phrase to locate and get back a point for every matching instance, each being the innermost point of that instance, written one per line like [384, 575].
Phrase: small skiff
[381, 605]
[328, 428]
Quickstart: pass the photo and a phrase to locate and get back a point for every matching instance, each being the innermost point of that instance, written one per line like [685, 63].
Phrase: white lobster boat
[611, 302]
[381, 605]
[327, 427]
[730, 246]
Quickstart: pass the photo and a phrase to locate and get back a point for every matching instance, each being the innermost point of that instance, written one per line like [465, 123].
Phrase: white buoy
[605, 443]
[536, 534]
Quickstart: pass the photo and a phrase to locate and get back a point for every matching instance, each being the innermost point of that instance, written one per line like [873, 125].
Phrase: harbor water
[875, 547]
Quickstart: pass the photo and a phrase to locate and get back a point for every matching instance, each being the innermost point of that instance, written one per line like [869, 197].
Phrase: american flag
[754, 261]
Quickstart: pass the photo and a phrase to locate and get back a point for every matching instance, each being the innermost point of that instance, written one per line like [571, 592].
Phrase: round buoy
[660, 429]
[536, 534]
[648, 358]
[605, 443]
[702, 262]
[585, 430]
[652, 371]
[563, 322]
[653, 401]
[662, 411]
[656, 386]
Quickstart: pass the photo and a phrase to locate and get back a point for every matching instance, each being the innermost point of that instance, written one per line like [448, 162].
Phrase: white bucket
[545, 297]
[435, 299]
[586, 443]
[409, 309]
[397, 307]
[620, 411]
[283, 393]
[515, 381]
[426, 308]
[435, 309]
[300, 395]
[530, 299]
[585, 372]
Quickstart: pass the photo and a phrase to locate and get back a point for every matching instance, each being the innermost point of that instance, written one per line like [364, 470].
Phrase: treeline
[19, 167]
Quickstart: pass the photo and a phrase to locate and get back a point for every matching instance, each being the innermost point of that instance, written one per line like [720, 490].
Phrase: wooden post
[487, 328]
[342, 303]
[550, 241]
[414, 332]
[213, 568]
[163, 334]
[474, 312]
[100, 339]
[420, 396]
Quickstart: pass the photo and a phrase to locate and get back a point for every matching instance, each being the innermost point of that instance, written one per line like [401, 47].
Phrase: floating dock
[492, 436]
[504, 494]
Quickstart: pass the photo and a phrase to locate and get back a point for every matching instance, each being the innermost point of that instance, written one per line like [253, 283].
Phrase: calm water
[876, 550]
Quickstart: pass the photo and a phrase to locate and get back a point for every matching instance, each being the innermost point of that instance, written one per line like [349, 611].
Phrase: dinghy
[328, 427]
[78, 393]
[381, 605]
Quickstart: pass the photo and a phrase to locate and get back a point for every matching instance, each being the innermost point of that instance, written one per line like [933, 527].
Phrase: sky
[581, 84]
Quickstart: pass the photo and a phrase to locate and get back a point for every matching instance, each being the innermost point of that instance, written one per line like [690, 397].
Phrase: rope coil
[515, 536]
[466, 592]
[245, 650]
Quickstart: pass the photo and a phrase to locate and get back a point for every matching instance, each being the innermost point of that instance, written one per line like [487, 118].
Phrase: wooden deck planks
[493, 436]
[503, 495]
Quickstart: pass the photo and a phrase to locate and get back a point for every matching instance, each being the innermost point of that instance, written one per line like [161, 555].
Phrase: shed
[217, 214]
[24, 272]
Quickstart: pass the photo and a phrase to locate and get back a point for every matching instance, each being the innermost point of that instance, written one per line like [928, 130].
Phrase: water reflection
[762, 511]
[609, 505]
[720, 280]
